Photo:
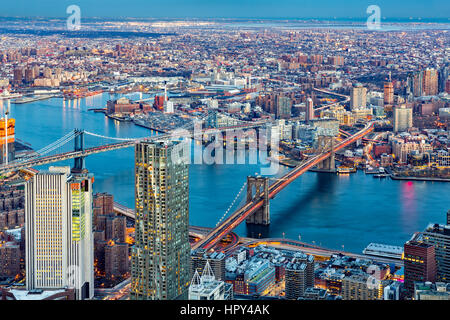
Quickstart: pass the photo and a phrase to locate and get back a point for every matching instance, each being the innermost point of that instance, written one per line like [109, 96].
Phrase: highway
[242, 213]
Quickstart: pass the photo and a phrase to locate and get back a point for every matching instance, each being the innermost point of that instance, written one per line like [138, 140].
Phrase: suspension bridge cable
[232, 204]
[54, 145]
[112, 138]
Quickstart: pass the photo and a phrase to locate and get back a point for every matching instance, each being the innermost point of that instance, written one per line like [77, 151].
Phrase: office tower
[438, 235]
[403, 118]
[59, 232]
[358, 97]
[388, 93]
[430, 82]
[420, 264]
[216, 260]
[207, 287]
[309, 114]
[160, 265]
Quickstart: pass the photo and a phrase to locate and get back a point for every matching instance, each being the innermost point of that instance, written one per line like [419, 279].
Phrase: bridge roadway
[14, 166]
[246, 210]
[280, 243]
[347, 134]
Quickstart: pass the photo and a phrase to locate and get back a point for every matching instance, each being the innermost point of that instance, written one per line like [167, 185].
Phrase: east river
[331, 210]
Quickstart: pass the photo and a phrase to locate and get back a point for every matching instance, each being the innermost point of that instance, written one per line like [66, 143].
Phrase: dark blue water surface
[331, 210]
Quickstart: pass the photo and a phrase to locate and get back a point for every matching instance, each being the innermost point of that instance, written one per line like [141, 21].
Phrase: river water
[327, 209]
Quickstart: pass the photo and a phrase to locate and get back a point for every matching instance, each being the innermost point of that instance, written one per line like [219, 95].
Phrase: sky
[390, 9]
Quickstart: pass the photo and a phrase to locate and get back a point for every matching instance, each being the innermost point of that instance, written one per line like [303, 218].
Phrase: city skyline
[224, 159]
[306, 9]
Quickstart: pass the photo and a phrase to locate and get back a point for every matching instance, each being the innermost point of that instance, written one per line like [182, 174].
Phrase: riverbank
[394, 177]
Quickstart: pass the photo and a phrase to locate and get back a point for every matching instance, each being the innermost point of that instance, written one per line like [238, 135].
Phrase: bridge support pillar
[261, 185]
[78, 166]
[329, 164]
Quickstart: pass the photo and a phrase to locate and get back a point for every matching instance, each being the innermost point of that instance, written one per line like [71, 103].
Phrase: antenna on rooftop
[207, 273]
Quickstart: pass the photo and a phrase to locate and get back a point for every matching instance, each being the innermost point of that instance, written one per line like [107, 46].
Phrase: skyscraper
[309, 115]
[284, 107]
[420, 264]
[430, 82]
[59, 232]
[403, 118]
[358, 98]
[160, 267]
[438, 235]
[388, 93]
[417, 84]
[299, 275]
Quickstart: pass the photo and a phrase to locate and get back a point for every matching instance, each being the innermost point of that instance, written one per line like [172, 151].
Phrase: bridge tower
[78, 166]
[261, 185]
[326, 143]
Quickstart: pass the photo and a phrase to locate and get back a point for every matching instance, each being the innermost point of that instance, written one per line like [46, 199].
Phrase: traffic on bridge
[245, 211]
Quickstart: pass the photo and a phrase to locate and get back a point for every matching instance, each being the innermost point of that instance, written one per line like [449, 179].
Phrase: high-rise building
[420, 264]
[403, 118]
[388, 93]
[18, 75]
[160, 259]
[444, 74]
[430, 82]
[299, 275]
[417, 84]
[59, 232]
[358, 97]
[438, 235]
[116, 259]
[284, 107]
[309, 114]
[105, 202]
